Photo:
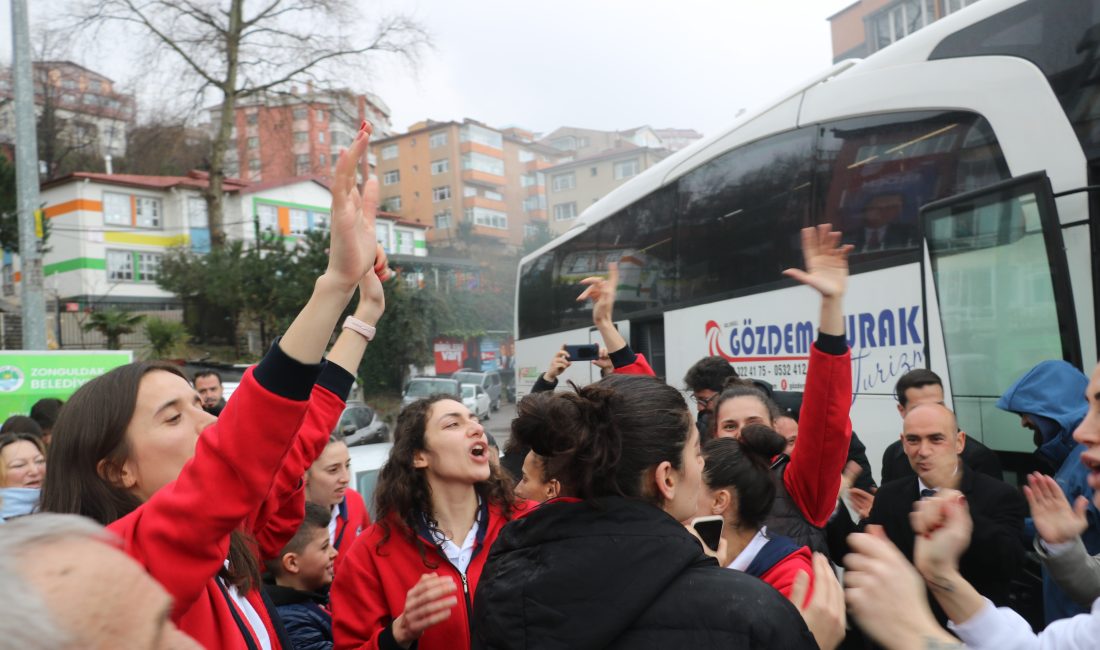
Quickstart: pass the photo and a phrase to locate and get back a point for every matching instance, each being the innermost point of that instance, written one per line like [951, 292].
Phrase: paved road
[500, 423]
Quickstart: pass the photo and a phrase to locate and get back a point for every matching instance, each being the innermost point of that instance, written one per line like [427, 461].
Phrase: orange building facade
[866, 26]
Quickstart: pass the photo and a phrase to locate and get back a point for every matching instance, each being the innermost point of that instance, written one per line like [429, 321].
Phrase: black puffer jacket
[620, 573]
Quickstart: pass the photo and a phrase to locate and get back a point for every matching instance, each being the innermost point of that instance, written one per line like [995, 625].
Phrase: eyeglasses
[704, 401]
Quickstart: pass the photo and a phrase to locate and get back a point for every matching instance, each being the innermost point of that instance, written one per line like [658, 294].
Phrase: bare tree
[240, 53]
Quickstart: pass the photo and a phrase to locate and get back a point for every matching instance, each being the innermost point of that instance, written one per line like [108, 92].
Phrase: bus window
[574, 261]
[875, 172]
[740, 215]
[1002, 286]
[535, 309]
[1060, 38]
[641, 238]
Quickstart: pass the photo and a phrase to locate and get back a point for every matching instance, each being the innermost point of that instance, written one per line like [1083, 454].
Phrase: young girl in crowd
[185, 490]
[22, 469]
[411, 577]
[739, 487]
[327, 485]
[810, 477]
[612, 566]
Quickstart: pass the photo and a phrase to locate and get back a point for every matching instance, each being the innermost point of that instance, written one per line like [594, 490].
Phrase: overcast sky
[605, 64]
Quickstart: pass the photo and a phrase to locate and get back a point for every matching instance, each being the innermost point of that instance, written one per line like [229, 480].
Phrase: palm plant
[113, 323]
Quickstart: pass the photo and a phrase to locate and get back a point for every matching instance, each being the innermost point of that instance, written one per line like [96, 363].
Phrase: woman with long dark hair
[199, 500]
[411, 577]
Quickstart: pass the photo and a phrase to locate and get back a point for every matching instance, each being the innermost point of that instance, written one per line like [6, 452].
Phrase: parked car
[360, 424]
[489, 380]
[476, 399]
[423, 386]
[366, 462]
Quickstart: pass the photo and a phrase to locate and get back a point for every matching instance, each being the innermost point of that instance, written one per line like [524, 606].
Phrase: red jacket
[627, 362]
[824, 431]
[352, 519]
[243, 474]
[370, 588]
[782, 574]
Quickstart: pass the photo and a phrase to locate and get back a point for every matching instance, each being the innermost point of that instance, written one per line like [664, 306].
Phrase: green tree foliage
[166, 338]
[113, 323]
[9, 222]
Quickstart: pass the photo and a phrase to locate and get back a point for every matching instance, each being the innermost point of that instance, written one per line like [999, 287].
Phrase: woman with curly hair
[412, 575]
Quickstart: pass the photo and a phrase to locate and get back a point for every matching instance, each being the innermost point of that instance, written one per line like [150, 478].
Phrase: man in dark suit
[882, 227]
[921, 386]
[933, 443]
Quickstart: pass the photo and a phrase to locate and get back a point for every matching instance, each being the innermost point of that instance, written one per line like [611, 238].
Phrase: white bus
[957, 161]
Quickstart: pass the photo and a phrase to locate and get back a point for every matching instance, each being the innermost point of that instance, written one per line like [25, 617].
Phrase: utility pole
[26, 180]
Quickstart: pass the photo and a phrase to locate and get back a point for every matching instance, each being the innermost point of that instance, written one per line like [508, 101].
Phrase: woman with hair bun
[738, 486]
[410, 577]
[612, 566]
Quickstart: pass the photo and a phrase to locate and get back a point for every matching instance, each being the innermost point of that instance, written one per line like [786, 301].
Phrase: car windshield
[467, 377]
[467, 391]
[425, 387]
[355, 418]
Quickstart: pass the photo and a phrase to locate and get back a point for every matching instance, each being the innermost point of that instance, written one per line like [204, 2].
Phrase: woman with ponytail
[738, 486]
[612, 566]
[199, 500]
[411, 577]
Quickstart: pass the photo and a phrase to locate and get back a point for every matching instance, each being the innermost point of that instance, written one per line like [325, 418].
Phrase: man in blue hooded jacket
[1049, 399]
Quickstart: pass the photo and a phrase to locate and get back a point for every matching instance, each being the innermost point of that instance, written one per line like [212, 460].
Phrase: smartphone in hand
[709, 529]
[586, 352]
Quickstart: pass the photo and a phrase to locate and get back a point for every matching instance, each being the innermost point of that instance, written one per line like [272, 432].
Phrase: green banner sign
[28, 376]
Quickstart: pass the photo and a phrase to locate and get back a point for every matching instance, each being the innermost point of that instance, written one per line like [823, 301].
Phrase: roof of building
[252, 188]
[195, 180]
[73, 65]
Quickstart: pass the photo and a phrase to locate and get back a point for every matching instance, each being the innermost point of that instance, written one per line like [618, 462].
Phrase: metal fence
[72, 336]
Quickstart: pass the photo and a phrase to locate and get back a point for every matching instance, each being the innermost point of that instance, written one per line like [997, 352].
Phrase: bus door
[996, 281]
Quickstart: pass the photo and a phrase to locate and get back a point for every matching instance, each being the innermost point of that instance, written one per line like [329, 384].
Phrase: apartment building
[89, 109]
[585, 143]
[578, 183]
[866, 26]
[281, 136]
[109, 232]
[446, 174]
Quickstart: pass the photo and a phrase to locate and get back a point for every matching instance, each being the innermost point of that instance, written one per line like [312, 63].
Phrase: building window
[443, 219]
[391, 177]
[301, 163]
[116, 209]
[479, 162]
[252, 119]
[301, 113]
[406, 241]
[537, 202]
[320, 220]
[951, 6]
[565, 211]
[254, 165]
[469, 190]
[253, 142]
[437, 139]
[321, 137]
[392, 204]
[382, 232]
[481, 135]
[488, 218]
[9, 280]
[299, 136]
[389, 152]
[299, 221]
[196, 213]
[494, 196]
[593, 171]
[526, 156]
[120, 266]
[441, 193]
[268, 217]
[562, 182]
[320, 116]
[441, 166]
[322, 160]
[148, 212]
[528, 180]
[148, 266]
[899, 21]
[624, 169]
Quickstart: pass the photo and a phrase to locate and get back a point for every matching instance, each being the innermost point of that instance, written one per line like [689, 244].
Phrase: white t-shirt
[250, 614]
[749, 553]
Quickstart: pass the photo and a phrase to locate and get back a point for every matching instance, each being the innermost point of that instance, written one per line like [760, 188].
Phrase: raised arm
[601, 291]
[825, 430]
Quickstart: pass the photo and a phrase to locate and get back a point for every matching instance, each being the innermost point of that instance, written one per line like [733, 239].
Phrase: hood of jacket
[1054, 391]
[18, 502]
[588, 574]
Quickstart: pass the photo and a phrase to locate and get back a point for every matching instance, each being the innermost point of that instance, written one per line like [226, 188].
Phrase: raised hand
[558, 364]
[428, 602]
[353, 245]
[826, 261]
[824, 613]
[601, 291]
[862, 501]
[1055, 521]
[943, 527]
